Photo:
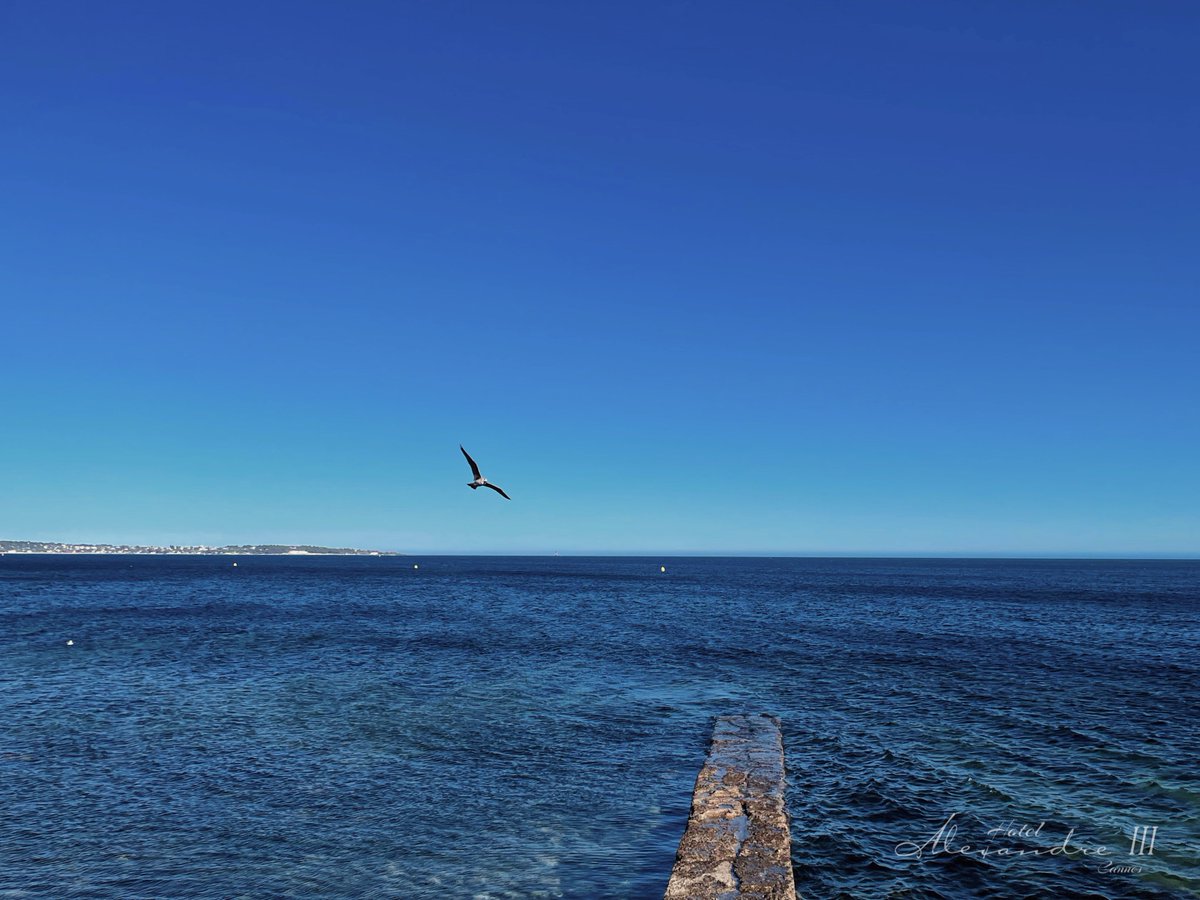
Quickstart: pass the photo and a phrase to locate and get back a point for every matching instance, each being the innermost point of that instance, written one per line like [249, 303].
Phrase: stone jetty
[737, 845]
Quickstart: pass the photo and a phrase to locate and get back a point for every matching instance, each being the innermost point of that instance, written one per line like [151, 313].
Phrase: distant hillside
[179, 550]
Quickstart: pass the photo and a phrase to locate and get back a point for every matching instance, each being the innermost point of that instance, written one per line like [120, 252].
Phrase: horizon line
[916, 555]
[1129, 554]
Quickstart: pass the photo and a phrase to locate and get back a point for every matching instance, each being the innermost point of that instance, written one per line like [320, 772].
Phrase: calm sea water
[505, 727]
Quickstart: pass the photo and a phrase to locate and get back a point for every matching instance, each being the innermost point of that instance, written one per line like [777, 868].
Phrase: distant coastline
[56, 547]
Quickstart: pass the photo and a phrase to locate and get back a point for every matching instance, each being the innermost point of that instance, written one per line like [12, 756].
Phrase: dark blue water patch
[498, 727]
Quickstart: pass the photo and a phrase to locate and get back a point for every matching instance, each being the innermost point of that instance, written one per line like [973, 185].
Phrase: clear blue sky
[709, 277]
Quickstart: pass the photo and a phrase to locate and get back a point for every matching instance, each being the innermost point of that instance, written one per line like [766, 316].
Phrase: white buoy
[662, 568]
[70, 643]
[235, 565]
[415, 566]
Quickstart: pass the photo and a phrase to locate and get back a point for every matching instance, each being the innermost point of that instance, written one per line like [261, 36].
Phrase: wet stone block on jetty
[737, 845]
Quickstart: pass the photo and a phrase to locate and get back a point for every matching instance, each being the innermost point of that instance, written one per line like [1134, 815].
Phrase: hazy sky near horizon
[766, 277]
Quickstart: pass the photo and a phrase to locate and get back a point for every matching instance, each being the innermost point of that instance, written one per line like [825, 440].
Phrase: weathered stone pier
[737, 845]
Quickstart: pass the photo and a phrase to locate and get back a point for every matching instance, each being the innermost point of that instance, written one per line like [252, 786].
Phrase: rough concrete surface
[737, 845]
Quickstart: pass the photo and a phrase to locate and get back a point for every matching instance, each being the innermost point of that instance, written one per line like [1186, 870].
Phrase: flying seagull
[480, 481]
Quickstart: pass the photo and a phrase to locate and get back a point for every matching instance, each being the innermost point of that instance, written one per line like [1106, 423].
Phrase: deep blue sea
[532, 727]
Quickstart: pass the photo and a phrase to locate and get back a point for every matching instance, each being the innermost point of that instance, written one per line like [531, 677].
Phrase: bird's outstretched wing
[474, 468]
[498, 491]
